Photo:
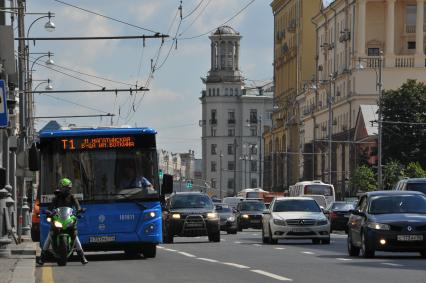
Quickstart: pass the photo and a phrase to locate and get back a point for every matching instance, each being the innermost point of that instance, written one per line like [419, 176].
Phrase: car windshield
[419, 187]
[253, 206]
[307, 205]
[342, 206]
[191, 201]
[223, 209]
[398, 204]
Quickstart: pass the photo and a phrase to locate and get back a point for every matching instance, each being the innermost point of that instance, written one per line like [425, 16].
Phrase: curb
[24, 270]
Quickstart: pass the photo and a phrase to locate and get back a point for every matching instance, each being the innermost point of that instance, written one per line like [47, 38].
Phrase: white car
[295, 218]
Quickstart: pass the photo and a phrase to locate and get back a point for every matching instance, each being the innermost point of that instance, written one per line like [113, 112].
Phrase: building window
[236, 91]
[253, 149]
[253, 165]
[253, 183]
[253, 132]
[231, 132]
[213, 132]
[411, 45]
[213, 166]
[226, 91]
[231, 166]
[373, 51]
[210, 92]
[218, 92]
[230, 183]
[213, 183]
[231, 117]
[213, 149]
[253, 116]
[230, 149]
[213, 119]
[231, 91]
[214, 92]
[410, 15]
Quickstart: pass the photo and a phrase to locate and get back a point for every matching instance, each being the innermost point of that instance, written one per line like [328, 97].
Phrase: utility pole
[235, 166]
[260, 152]
[220, 174]
[380, 124]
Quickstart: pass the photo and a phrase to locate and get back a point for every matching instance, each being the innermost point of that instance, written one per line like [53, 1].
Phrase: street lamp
[48, 81]
[377, 65]
[220, 174]
[259, 133]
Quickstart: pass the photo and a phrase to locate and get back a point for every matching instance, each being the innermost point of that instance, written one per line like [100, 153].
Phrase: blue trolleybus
[120, 213]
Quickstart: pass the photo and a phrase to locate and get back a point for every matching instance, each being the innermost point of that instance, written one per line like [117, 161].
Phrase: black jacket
[62, 200]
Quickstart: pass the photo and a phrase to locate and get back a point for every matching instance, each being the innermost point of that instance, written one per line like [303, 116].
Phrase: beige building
[294, 53]
[351, 36]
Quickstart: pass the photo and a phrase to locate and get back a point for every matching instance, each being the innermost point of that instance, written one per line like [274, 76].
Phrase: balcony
[213, 121]
[409, 29]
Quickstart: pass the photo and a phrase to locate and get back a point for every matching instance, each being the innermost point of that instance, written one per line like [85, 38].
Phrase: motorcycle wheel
[62, 252]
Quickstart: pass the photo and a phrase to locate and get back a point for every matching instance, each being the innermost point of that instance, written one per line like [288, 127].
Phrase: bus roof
[97, 132]
[314, 182]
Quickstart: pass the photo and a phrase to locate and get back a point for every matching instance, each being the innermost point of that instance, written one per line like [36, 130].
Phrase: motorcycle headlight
[231, 218]
[212, 215]
[378, 226]
[280, 222]
[48, 219]
[58, 224]
[245, 216]
[176, 216]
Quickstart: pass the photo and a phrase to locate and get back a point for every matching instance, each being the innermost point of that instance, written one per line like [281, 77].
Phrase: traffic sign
[189, 184]
[3, 106]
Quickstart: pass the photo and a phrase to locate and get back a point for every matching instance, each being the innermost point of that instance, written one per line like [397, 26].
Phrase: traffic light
[189, 184]
[160, 173]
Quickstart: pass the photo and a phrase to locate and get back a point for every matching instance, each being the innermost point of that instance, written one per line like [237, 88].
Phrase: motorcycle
[63, 222]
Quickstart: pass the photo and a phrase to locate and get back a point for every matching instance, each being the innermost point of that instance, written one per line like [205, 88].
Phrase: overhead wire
[75, 103]
[193, 10]
[196, 18]
[104, 16]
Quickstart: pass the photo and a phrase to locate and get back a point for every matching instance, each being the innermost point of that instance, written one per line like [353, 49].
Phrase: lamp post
[220, 174]
[243, 158]
[377, 65]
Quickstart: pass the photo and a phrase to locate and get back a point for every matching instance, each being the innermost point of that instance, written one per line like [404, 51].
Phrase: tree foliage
[393, 172]
[404, 142]
[415, 170]
[363, 179]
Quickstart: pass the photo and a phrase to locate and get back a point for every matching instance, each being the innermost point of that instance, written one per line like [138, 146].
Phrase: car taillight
[333, 214]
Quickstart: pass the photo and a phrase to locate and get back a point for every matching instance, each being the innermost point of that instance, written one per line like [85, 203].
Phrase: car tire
[326, 241]
[214, 237]
[352, 250]
[316, 241]
[271, 240]
[423, 254]
[265, 239]
[366, 250]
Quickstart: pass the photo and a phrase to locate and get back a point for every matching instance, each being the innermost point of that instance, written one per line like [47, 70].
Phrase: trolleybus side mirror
[33, 158]
[167, 186]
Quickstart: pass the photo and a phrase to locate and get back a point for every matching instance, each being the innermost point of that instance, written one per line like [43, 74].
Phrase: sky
[172, 104]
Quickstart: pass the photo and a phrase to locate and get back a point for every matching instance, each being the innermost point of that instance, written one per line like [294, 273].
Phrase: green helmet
[65, 184]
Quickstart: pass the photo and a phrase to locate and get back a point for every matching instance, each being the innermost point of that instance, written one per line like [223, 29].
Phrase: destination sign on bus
[94, 143]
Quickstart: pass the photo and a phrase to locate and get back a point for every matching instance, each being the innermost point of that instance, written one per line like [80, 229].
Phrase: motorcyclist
[64, 198]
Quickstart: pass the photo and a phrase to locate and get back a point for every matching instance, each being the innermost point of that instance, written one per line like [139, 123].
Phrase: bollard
[26, 217]
[4, 221]
[10, 203]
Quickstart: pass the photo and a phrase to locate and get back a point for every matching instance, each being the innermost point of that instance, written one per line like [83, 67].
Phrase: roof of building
[369, 114]
[225, 30]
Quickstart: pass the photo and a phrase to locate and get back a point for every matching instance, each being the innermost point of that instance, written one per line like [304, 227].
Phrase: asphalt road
[241, 258]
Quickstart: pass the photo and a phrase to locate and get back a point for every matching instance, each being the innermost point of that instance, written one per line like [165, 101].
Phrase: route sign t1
[4, 122]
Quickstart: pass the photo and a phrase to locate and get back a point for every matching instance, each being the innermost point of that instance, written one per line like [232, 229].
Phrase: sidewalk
[20, 266]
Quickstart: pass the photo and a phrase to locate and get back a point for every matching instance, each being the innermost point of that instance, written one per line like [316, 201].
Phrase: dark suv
[411, 184]
[249, 214]
[190, 214]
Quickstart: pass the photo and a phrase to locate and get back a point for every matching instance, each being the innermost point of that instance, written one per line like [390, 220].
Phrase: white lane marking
[339, 235]
[271, 275]
[160, 247]
[279, 248]
[343, 259]
[392, 264]
[222, 240]
[186, 254]
[170, 250]
[235, 265]
[257, 245]
[237, 242]
[207, 259]
[308, 253]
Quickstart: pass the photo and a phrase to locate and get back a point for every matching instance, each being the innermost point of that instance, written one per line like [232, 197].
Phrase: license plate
[102, 239]
[410, 238]
[194, 225]
[255, 221]
[299, 230]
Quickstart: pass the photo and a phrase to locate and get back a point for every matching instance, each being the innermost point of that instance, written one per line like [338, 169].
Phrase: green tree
[415, 170]
[393, 172]
[405, 142]
[363, 179]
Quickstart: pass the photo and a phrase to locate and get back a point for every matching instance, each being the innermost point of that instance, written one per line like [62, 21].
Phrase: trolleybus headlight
[152, 214]
[176, 216]
[48, 219]
[58, 224]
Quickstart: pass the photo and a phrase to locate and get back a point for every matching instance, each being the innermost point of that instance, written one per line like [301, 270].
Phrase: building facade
[294, 52]
[360, 46]
[233, 118]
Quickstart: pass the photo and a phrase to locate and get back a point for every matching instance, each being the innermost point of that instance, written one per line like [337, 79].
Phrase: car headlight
[280, 222]
[378, 226]
[231, 219]
[322, 222]
[58, 224]
[176, 216]
[48, 219]
[245, 216]
[212, 215]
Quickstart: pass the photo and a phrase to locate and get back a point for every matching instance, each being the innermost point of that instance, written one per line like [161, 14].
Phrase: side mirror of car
[167, 186]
